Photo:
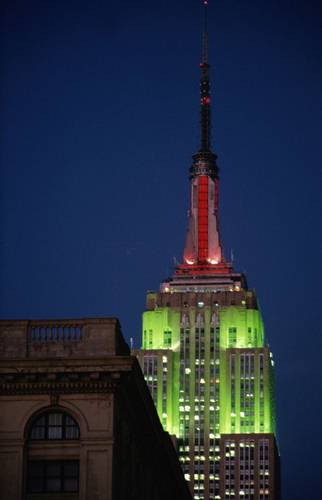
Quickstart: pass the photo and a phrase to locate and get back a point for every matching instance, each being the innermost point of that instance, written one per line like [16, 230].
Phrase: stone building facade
[76, 418]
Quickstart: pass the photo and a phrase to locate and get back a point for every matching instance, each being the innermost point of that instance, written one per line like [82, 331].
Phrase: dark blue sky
[99, 119]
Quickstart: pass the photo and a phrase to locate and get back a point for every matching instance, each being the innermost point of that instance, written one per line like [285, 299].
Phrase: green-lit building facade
[204, 354]
[211, 377]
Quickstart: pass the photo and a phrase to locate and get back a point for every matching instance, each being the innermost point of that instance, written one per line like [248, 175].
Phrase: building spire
[203, 247]
[205, 112]
[204, 161]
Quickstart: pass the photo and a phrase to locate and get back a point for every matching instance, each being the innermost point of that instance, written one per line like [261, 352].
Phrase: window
[48, 469]
[49, 476]
[54, 425]
[167, 338]
[232, 336]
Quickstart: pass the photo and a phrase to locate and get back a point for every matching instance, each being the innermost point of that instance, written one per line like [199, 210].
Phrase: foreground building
[77, 421]
[204, 354]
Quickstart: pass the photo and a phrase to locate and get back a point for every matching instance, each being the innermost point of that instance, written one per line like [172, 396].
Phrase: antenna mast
[205, 34]
[205, 118]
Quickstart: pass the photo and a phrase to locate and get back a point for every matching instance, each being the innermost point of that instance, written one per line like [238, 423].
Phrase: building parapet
[72, 338]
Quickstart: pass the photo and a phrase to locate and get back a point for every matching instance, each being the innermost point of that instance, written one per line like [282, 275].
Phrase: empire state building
[204, 353]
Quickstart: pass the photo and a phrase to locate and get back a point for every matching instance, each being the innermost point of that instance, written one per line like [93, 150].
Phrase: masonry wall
[61, 338]
[93, 413]
[83, 368]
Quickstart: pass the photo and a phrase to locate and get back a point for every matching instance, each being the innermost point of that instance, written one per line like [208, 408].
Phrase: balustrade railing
[56, 332]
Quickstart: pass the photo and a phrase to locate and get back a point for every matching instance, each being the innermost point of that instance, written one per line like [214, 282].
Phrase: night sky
[99, 119]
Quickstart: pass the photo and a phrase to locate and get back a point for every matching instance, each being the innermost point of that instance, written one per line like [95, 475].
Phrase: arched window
[54, 425]
[50, 469]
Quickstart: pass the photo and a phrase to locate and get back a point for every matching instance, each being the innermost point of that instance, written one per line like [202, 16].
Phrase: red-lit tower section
[203, 258]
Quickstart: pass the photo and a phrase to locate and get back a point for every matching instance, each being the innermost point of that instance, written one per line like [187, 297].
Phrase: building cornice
[61, 376]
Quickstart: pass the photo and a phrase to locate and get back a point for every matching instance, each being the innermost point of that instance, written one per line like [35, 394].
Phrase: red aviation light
[205, 100]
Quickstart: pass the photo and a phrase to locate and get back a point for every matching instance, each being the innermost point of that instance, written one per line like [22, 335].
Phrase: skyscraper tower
[203, 349]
